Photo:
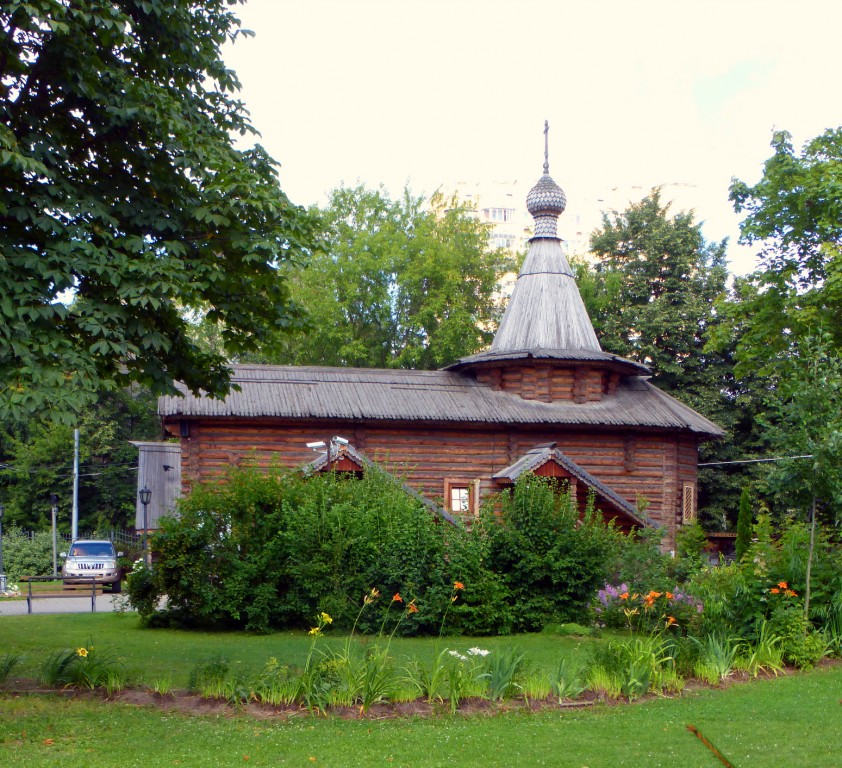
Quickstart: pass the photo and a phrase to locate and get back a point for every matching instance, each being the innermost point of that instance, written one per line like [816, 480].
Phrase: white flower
[458, 655]
[478, 652]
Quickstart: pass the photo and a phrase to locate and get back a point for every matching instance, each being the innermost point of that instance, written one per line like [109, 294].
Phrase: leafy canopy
[124, 201]
[794, 214]
[651, 298]
[400, 284]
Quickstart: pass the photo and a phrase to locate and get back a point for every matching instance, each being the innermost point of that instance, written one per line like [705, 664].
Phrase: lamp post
[54, 503]
[145, 497]
[2, 572]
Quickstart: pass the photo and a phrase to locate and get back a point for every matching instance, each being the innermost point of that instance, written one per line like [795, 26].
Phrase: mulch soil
[194, 704]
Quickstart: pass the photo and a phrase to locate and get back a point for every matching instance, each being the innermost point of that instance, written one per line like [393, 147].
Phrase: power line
[752, 461]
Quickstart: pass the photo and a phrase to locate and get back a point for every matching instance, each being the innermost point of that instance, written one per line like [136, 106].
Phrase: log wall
[549, 383]
[643, 467]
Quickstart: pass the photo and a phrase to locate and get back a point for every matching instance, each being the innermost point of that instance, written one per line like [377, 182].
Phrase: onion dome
[546, 201]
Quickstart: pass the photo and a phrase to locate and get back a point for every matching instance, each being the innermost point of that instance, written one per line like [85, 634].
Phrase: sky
[638, 94]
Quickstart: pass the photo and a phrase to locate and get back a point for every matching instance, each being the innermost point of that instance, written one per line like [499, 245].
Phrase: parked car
[89, 557]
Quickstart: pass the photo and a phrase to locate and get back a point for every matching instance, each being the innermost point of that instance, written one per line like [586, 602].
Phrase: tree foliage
[399, 284]
[36, 460]
[651, 298]
[783, 320]
[124, 201]
[654, 287]
[268, 551]
[794, 215]
[744, 524]
[805, 419]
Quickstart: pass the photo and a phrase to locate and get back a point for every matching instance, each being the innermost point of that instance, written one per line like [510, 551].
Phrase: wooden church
[544, 398]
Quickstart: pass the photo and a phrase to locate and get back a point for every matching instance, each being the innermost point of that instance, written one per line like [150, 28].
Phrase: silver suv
[87, 558]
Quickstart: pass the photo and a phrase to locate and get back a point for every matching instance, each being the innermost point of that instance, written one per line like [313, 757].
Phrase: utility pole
[74, 517]
[54, 504]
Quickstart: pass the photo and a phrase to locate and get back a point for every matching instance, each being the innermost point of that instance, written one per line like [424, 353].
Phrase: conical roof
[546, 310]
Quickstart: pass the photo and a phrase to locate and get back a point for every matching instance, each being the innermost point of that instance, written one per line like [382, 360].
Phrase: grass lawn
[149, 654]
[793, 720]
[789, 721]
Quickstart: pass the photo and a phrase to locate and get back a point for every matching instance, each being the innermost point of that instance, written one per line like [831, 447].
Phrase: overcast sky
[637, 93]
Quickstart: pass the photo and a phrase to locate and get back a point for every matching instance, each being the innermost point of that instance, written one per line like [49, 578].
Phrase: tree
[399, 285]
[651, 299]
[780, 320]
[806, 420]
[124, 201]
[36, 460]
[655, 284]
[794, 213]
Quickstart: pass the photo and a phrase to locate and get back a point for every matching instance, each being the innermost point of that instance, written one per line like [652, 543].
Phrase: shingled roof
[357, 394]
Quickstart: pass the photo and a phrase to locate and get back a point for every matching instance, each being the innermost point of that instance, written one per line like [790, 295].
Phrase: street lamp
[145, 497]
[2, 572]
[54, 502]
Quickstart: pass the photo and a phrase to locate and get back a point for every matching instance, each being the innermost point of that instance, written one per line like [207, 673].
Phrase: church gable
[548, 461]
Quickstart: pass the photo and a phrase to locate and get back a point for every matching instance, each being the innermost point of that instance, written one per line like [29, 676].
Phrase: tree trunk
[810, 559]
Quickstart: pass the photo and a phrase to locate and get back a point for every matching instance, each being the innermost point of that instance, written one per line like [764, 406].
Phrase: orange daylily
[790, 593]
[458, 585]
[669, 595]
[783, 585]
[412, 608]
[671, 620]
[624, 596]
[396, 598]
[775, 591]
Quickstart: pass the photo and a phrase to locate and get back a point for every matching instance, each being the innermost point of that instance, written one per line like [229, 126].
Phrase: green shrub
[640, 562]
[550, 559]
[675, 612]
[25, 556]
[690, 554]
[268, 550]
[570, 629]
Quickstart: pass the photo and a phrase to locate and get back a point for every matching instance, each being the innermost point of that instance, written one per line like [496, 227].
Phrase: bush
[640, 563]
[652, 611]
[25, 556]
[768, 586]
[270, 550]
[549, 557]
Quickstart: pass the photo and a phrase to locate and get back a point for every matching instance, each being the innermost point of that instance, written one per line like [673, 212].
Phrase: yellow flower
[315, 631]
[325, 618]
[82, 652]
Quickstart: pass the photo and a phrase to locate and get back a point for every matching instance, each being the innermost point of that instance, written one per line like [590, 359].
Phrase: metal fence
[116, 535]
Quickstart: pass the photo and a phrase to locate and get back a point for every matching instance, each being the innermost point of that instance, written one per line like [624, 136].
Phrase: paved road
[75, 604]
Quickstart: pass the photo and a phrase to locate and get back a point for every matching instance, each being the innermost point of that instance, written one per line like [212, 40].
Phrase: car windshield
[92, 549]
